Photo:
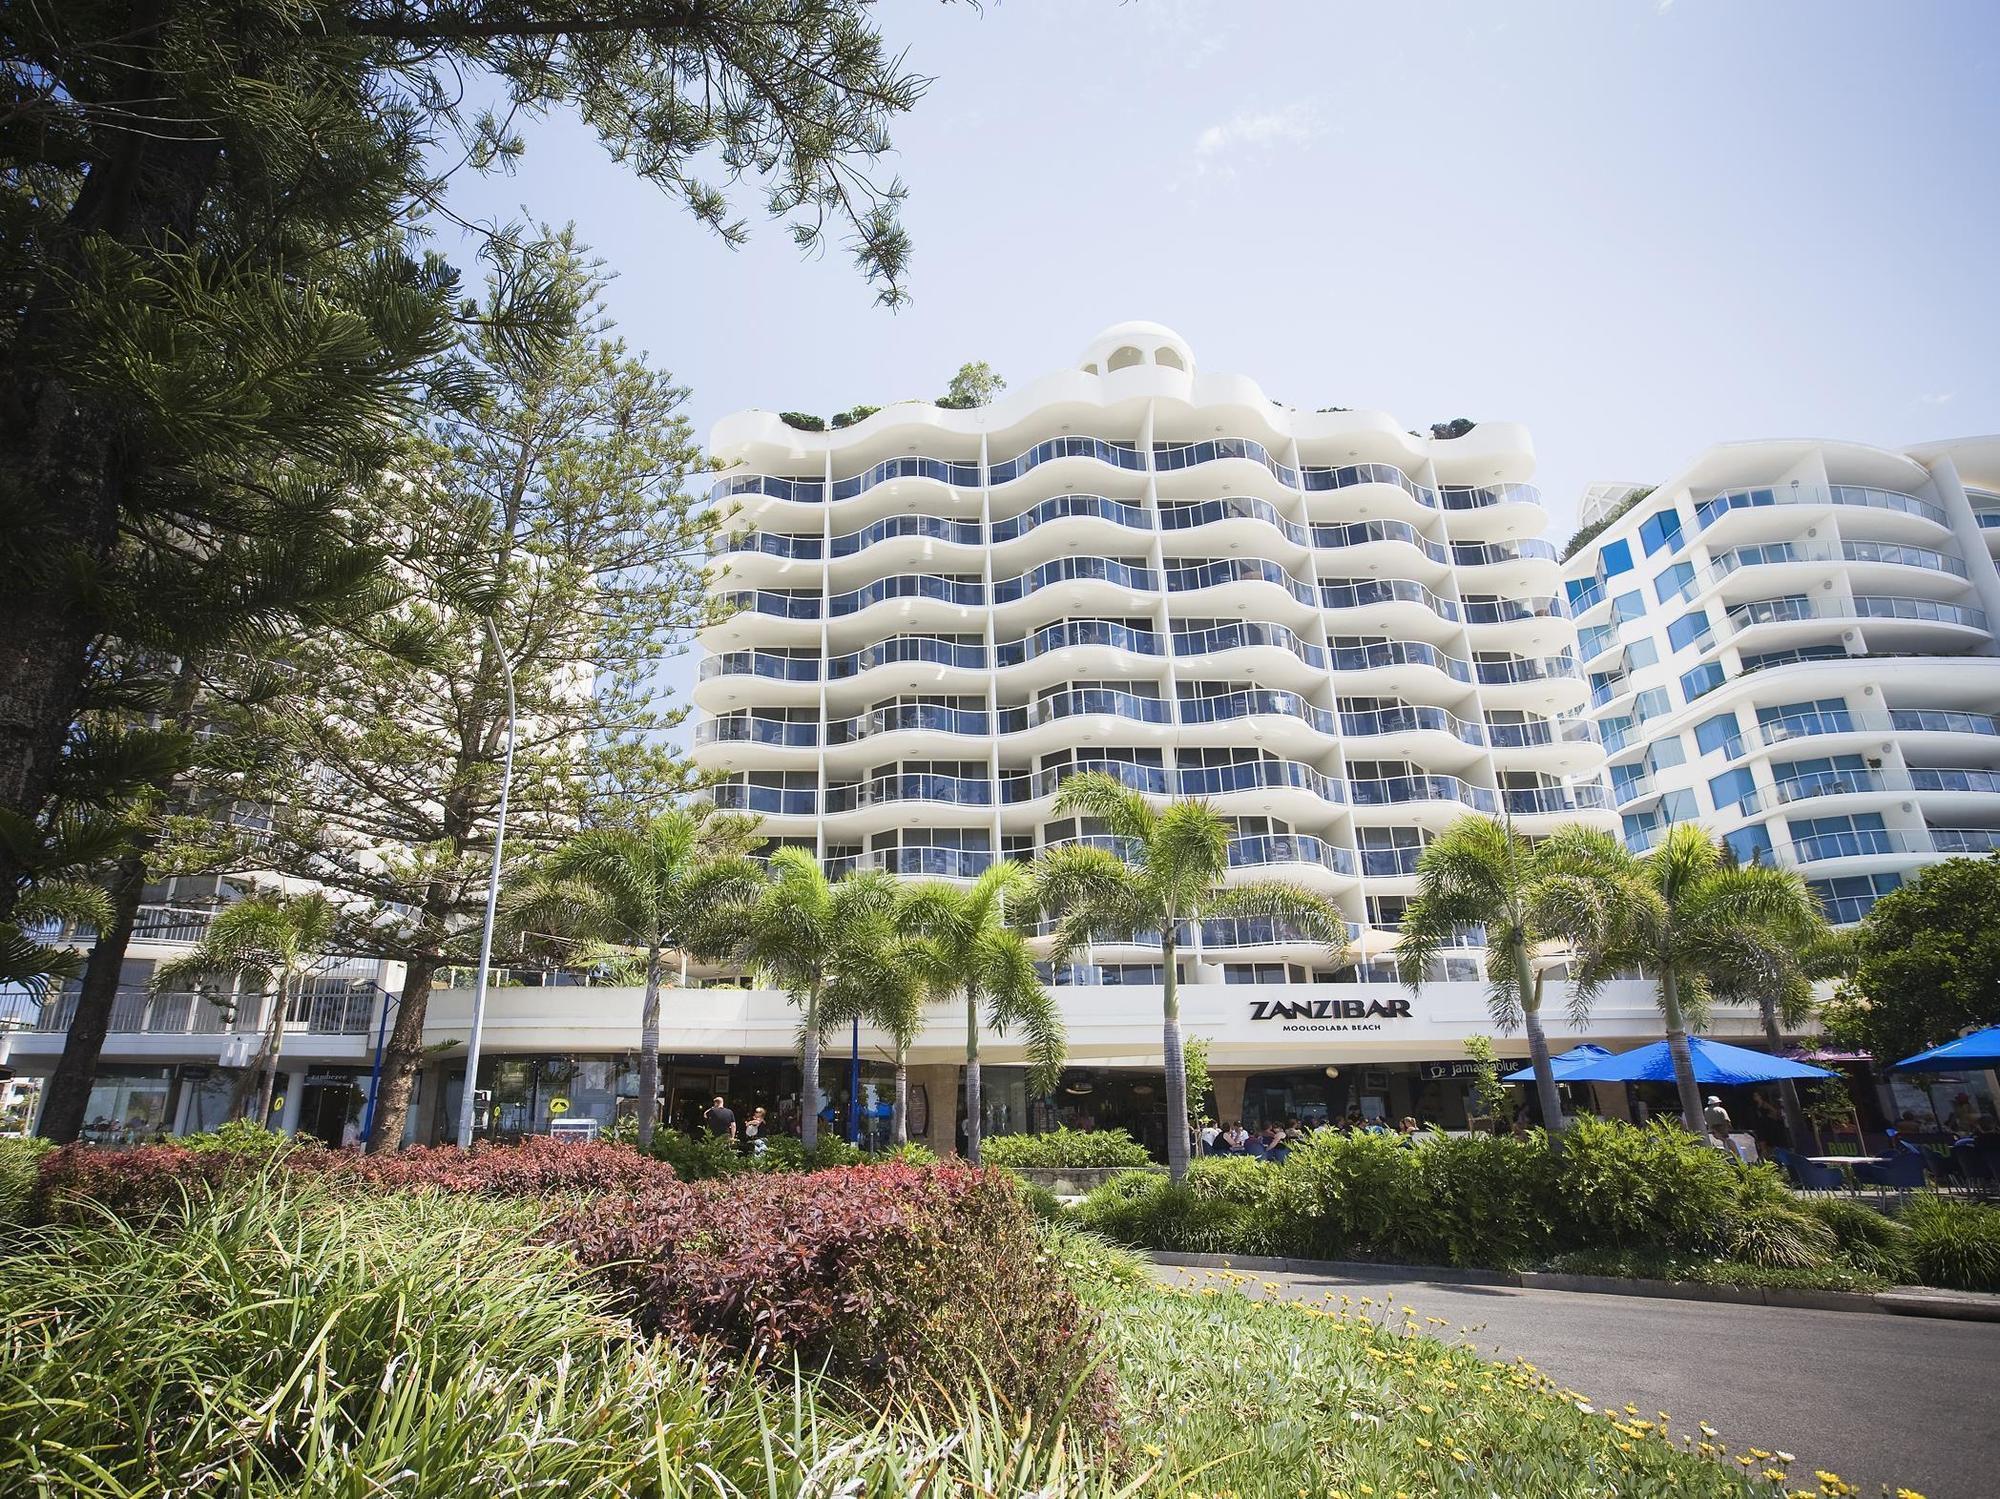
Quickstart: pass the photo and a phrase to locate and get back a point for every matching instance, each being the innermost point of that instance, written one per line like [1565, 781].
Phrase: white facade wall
[1343, 635]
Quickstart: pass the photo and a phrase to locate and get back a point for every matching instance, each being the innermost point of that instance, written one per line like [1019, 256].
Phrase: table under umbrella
[1968, 1053]
[1563, 1065]
[1716, 1063]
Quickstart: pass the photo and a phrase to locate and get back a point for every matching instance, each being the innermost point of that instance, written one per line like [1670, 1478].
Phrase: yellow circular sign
[558, 1106]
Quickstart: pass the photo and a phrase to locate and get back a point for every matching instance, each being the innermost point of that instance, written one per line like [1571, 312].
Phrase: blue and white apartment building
[1345, 635]
[1792, 643]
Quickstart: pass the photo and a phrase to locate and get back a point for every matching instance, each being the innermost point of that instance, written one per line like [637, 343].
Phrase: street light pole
[466, 1094]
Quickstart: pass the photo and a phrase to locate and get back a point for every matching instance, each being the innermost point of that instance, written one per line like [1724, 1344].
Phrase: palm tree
[273, 942]
[886, 980]
[1785, 1002]
[803, 930]
[642, 892]
[1710, 927]
[1176, 859]
[976, 956]
[1533, 897]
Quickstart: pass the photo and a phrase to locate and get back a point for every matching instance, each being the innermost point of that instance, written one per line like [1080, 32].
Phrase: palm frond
[1095, 793]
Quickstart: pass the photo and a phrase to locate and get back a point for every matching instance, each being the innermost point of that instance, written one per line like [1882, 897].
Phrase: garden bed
[1648, 1203]
[455, 1324]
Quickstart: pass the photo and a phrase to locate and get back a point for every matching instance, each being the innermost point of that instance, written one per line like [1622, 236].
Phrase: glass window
[1704, 679]
[1641, 653]
[1751, 845]
[1677, 582]
[1577, 588]
[1689, 629]
[1666, 752]
[1616, 558]
[1662, 529]
[1651, 703]
[1678, 806]
[1731, 787]
[1711, 734]
[1628, 606]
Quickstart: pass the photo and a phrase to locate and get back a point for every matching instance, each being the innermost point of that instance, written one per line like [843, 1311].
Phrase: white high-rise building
[1343, 635]
[1792, 643]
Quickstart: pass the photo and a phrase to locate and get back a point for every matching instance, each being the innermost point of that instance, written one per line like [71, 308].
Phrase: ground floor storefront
[1299, 1054]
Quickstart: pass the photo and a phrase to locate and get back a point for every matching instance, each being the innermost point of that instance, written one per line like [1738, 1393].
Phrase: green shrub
[19, 1160]
[788, 1153]
[1153, 1213]
[1657, 1187]
[1953, 1244]
[1065, 1147]
[1778, 1238]
[1043, 1203]
[1868, 1240]
[1363, 1195]
[912, 1154]
[1240, 1179]
[248, 1137]
[699, 1158]
[1490, 1198]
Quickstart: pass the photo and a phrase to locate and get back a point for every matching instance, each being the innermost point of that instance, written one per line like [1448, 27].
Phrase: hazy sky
[1639, 226]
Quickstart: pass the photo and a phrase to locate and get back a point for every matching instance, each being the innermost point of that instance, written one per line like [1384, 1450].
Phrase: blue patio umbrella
[1716, 1064]
[1967, 1053]
[1562, 1066]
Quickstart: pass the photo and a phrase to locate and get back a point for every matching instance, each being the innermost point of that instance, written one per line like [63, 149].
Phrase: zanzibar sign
[1331, 1014]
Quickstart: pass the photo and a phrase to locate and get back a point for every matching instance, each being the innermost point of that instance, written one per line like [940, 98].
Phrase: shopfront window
[127, 1105]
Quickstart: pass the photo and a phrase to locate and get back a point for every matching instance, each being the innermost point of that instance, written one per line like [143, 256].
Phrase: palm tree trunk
[1175, 1059]
[1538, 1043]
[274, 1041]
[809, 1076]
[972, 1099]
[1788, 1091]
[901, 1131]
[649, 1051]
[1677, 1048]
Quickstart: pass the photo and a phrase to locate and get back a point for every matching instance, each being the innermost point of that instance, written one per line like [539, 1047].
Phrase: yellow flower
[1153, 1449]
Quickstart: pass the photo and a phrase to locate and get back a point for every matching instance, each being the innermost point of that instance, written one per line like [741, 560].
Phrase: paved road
[1877, 1399]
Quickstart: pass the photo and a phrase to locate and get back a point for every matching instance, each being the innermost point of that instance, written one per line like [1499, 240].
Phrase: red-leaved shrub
[140, 1181]
[929, 1280]
[537, 1166]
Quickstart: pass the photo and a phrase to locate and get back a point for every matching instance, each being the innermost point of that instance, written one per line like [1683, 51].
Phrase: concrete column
[940, 1084]
[293, 1086]
[1228, 1087]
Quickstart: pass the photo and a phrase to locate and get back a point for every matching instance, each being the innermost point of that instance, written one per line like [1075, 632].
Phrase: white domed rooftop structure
[1123, 345]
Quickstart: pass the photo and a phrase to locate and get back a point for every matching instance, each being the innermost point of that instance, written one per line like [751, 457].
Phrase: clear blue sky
[1639, 226]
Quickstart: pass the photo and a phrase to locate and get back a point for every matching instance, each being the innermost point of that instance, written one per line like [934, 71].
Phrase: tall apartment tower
[1792, 643]
[1342, 634]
